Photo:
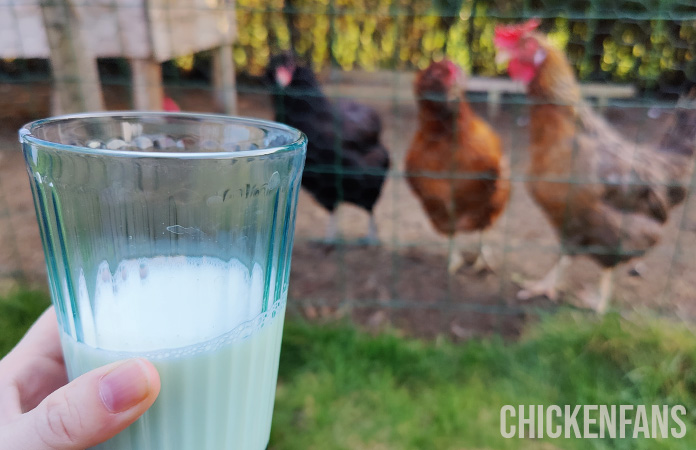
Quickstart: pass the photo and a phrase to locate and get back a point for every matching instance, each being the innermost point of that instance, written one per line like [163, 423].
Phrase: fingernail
[125, 386]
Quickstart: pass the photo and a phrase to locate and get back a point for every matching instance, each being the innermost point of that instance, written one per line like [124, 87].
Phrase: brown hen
[607, 197]
[455, 163]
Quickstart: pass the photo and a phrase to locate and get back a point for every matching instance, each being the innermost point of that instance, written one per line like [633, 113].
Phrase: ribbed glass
[169, 236]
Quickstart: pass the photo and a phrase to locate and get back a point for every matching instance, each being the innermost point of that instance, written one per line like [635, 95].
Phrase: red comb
[508, 35]
[453, 68]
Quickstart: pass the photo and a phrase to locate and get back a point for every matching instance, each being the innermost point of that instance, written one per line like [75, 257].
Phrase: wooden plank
[181, 27]
[74, 68]
[404, 81]
[608, 90]
[148, 93]
[22, 32]
[124, 28]
[380, 92]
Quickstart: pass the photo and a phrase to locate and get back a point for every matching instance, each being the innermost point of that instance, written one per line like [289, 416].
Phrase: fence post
[75, 74]
[148, 93]
[224, 81]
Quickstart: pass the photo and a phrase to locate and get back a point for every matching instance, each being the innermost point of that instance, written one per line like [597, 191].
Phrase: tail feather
[680, 140]
[681, 136]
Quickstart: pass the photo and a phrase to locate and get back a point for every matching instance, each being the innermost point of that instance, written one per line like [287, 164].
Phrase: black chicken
[346, 162]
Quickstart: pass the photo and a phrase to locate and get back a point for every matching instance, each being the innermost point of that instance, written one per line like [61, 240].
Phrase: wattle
[520, 71]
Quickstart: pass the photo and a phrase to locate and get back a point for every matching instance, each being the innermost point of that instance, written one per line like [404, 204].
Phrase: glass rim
[26, 136]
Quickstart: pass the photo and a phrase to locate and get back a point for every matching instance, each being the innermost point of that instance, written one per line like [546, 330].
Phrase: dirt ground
[402, 282]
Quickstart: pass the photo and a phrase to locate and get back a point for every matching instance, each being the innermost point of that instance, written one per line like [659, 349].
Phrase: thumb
[91, 409]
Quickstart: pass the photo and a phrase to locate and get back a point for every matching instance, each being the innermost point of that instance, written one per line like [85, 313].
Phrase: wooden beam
[224, 81]
[75, 74]
[148, 92]
[403, 82]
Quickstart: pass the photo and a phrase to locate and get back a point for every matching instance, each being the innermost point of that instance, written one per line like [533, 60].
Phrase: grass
[18, 310]
[340, 388]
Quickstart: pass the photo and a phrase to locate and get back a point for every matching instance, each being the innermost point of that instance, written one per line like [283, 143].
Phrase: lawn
[341, 388]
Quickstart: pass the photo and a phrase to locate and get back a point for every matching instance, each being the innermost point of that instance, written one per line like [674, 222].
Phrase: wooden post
[56, 108]
[494, 97]
[148, 93]
[602, 104]
[224, 80]
[75, 75]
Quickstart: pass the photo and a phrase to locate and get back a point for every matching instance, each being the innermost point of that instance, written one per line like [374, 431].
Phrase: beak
[502, 56]
[283, 76]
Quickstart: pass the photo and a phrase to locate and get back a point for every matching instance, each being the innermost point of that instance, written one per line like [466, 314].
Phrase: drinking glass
[168, 236]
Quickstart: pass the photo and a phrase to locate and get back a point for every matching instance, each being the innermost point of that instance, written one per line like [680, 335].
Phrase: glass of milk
[168, 236]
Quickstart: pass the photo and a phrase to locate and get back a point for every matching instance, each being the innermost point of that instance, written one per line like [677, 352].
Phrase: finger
[33, 369]
[40, 378]
[89, 410]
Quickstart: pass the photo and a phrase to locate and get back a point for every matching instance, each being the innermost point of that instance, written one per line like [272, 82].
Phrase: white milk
[199, 321]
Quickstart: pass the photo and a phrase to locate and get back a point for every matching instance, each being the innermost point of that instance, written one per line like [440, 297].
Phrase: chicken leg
[372, 237]
[484, 257]
[455, 262]
[483, 260]
[599, 301]
[332, 228]
[546, 286]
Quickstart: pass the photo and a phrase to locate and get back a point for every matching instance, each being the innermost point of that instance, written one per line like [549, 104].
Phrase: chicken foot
[372, 237]
[481, 264]
[546, 286]
[484, 257]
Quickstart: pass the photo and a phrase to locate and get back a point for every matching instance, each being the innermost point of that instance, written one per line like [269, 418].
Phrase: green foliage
[645, 42]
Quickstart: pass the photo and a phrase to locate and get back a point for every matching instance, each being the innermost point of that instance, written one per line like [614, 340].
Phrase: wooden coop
[72, 34]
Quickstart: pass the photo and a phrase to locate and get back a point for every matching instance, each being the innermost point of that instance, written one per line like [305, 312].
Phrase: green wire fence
[369, 50]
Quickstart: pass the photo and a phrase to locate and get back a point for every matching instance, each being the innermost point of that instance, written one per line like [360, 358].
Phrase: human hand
[39, 411]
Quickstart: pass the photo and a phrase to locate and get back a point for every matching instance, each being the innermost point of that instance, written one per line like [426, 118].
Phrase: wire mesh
[634, 59]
